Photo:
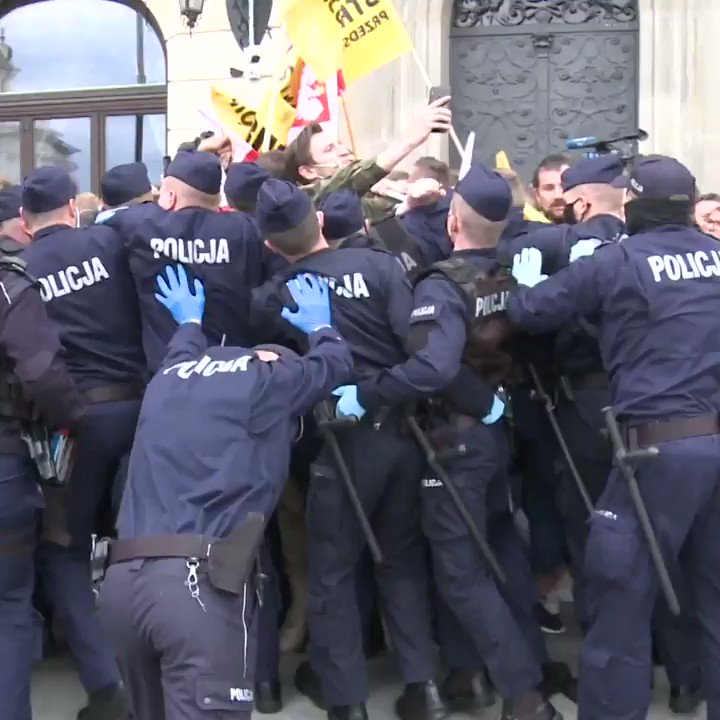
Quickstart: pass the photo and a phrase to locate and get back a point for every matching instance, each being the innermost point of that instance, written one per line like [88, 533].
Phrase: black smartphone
[437, 92]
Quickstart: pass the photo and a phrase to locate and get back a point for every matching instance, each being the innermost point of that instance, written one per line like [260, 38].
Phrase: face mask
[569, 214]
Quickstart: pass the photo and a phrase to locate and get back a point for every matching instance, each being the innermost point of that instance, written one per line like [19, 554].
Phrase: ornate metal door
[529, 74]
[239, 17]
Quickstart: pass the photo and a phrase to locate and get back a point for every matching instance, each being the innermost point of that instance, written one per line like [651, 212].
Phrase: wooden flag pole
[348, 122]
[453, 135]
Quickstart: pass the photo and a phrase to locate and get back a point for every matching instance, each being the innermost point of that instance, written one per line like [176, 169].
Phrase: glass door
[66, 143]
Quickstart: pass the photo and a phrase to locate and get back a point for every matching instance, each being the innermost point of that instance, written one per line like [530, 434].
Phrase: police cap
[243, 182]
[343, 214]
[592, 171]
[486, 192]
[200, 170]
[658, 177]
[124, 183]
[10, 202]
[281, 206]
[46, 189]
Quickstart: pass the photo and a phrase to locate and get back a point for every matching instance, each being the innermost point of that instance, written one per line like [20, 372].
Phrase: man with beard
[547, 186]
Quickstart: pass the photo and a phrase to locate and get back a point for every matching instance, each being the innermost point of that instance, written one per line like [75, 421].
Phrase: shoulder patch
[425, 312]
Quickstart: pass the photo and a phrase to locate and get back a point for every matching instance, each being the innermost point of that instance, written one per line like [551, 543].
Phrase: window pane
[77, 44]
[65, 143]
[10, 166]
[136, 138]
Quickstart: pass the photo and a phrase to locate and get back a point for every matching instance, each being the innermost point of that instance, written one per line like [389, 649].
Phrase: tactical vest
[13, 403]
[488, 329]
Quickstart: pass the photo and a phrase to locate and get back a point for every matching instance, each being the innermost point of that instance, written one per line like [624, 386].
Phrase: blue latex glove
[583, 248]
[312, 297]
[175, 294]
[496, 412]
[348, 405]
[527, 267]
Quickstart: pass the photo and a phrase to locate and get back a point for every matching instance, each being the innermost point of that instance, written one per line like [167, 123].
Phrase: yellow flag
[529, 212]
[355, 36]
[243, 106]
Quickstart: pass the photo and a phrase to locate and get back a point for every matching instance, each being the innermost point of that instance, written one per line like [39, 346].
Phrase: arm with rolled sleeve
[576, 291]
[295, 386]
[438, 321]
[29, 341]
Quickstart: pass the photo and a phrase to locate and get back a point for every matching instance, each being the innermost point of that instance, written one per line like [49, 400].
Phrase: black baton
[327, 424]
[432, 458]
[624, 458]
[550, 412]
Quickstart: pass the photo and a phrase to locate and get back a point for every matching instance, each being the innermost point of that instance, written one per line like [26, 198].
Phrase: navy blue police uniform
[10, 203]
[655, 299]
[121, 187]
[499, 622]
[427, 225]
[243, 181]
[89, 295]
[224, 250]
[210, 459]
[372, 301]
[31, 359]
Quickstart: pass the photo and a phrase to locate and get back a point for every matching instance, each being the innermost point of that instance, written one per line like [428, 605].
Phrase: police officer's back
[34, 386]
[224, 250]
[86, 284]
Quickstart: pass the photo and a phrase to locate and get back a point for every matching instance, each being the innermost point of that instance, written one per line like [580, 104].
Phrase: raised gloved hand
[583, 248]
[527, 267]
[496, 412]
[312, 297]
[175, 294]
[348, 405]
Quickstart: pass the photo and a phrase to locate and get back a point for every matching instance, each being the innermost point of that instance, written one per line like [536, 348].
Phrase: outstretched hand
[527, 267]
[175, 294]
[312, 297]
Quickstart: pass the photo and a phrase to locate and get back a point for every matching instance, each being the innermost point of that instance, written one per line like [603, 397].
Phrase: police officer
[372, 304]
[243, 181]
[31, 358]
[499, 622]
[211, 455]
[89, 294]
[13, 236]
[655, 297]
[122, 187]
[224, 250]
[344, 223]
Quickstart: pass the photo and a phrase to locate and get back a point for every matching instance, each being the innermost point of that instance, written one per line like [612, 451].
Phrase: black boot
[268, 698]
[308, 683]
[685, 700]
[466, 692]
[421, 701]
[348, 712]
[529, 706]
[109, 703]
[558, 680]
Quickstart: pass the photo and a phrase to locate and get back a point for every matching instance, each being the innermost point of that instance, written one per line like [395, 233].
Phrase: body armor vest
[488, 328]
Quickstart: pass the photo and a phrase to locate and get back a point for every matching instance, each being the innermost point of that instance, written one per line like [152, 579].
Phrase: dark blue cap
[659, 178]
[10, 202]
[600, 170]
[124, 183]
[200, 170]
[343, 214]
[243, 181]
[281, 206]
[486, 192]
[46, 189]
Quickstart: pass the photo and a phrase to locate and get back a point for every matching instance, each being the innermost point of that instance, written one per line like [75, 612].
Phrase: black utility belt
[642, 436]
[118, 392]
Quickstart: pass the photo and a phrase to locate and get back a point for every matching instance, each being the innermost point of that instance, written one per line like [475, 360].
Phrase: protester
[707, 212]
[546, 186]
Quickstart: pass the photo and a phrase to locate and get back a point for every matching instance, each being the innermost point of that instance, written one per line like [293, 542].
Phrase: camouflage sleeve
[378, 207]
[359, 176]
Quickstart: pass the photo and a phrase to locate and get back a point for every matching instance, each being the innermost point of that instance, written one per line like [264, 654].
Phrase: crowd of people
[329, 406]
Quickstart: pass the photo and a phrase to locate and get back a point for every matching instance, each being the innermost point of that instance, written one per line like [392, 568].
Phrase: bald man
[224, 250]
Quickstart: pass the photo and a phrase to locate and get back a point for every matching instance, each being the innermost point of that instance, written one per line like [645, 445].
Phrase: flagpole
[453, 135]
[348, 122]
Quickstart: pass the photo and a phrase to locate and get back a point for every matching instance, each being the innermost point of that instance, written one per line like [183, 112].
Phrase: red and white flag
[318, 102]
[243, 151]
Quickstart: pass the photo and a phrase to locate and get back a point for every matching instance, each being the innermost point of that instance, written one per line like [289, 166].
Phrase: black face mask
[646, 214]
[569, 214]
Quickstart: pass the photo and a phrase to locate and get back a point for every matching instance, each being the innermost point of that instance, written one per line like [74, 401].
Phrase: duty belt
[160, 546]
[640, 436]
[119, 392]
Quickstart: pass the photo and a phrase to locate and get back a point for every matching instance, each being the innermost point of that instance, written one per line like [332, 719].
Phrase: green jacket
[359, 176]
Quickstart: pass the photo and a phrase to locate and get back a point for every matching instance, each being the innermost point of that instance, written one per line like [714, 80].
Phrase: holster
[231, 560]
[54, 516]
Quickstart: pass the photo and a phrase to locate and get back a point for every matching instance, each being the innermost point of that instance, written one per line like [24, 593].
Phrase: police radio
[624, 146]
